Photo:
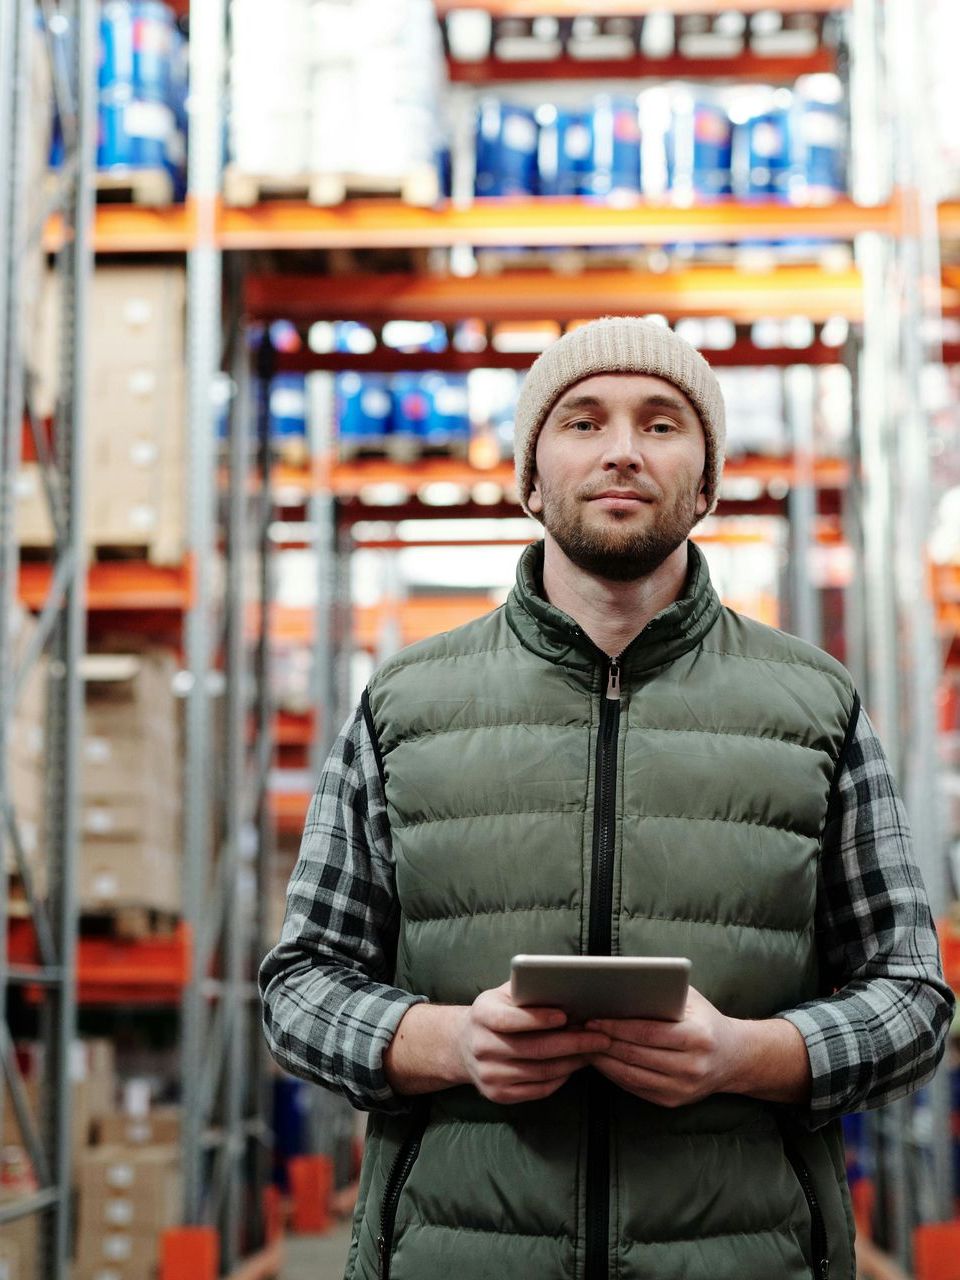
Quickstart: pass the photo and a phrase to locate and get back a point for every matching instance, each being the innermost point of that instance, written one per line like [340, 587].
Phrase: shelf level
[743, 296]
[118, 585]
[744, 66]
[486, 223]
[634, 8]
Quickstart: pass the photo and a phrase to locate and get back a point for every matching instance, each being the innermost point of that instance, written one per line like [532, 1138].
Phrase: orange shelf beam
[743, 296]
[348, 479]
[117, 585]
[633, 8]
[133, 229]
[291, 730]
[743, 66]
[544, 221]
[117, 971]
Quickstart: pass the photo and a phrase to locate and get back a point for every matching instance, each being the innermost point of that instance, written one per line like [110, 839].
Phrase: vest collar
[551, 634]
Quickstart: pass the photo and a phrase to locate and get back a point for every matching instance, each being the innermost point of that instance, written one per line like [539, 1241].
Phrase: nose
[621, 446]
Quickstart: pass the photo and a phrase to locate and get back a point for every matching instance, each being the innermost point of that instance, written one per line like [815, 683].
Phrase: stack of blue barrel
[142, 88]
[415, 411]
[794, 151]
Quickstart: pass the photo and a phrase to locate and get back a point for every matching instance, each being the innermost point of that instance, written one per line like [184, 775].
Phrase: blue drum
[763, 164]
[288, 406]
[137, 47]
[133, 133]
[363, 405]
[411, 404]
[701, 150]
[565, 152]
[506, 150]
[821, 147]
[449, 407]
[616, 146]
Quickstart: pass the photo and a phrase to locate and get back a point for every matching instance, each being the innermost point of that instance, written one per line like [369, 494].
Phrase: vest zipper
[599, 944]
[400, 1171]
[818, 1228]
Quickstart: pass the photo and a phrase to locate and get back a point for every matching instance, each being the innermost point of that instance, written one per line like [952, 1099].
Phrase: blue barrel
[506, 150]
[137, 47]
[821, 147]
[363, 405]
[133, 133]
[449, 407]
[411, 404]
[288, 406]
[565, 152]
[763, 158]
[701, 150]
[616, 146]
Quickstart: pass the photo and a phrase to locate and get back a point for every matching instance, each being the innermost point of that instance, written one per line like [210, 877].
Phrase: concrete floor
[316, 1257]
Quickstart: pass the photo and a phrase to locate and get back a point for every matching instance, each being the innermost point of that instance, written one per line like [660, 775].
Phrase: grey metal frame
[62, 623]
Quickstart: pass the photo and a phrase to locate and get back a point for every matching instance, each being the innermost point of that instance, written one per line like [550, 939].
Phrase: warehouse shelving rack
[880, 222]
[60, 632]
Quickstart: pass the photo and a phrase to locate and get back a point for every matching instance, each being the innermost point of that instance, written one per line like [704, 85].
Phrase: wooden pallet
[562, 261]
[134, 186]
[243, 190]
[400, 448]
[128, 923]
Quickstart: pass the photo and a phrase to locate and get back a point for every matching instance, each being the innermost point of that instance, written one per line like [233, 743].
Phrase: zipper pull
[824, 1268]
[613, 680]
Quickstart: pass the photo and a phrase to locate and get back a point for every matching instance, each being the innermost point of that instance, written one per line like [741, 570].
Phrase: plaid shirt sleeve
[883, 1030]
[329, 1010]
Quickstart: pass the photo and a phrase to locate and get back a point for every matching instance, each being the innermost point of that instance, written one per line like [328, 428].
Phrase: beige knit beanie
[618, 344]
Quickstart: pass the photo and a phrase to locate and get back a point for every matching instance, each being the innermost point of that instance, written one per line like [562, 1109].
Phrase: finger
[664, 1035]
[665, 1062]
[552, 1069]
[499, 1015]
[649, 1085]
[557, 1044]
[531, 1092]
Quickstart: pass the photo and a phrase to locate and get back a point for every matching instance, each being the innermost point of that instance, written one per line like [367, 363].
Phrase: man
[612, 763]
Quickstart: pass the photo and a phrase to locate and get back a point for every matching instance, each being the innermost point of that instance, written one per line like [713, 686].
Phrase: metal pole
[203, 336]
[798, 395]
[69, 643]
[235, 793]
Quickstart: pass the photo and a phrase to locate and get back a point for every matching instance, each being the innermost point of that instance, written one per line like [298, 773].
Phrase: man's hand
[515, 1054]
[675, 1063]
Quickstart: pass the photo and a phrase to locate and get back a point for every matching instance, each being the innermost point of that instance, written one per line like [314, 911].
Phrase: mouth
[618, 495]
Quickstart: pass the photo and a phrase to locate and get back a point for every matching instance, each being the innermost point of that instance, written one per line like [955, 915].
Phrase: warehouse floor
[316, 1257]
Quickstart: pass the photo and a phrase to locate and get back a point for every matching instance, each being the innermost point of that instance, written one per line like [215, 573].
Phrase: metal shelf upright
[226, 832]
[60, 634]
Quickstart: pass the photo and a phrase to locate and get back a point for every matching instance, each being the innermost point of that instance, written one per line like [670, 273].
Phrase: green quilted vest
[535, 810]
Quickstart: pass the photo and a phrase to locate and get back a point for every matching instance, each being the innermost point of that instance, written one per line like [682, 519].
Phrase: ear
[701, 505]
[535, 499]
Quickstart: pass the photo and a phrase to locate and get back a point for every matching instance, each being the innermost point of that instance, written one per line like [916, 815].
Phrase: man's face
[619, 474]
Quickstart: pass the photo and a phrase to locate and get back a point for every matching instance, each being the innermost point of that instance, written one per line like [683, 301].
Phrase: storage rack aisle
[285, 260]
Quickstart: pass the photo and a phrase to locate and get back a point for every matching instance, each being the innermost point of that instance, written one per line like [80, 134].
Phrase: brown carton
[159, 1127]
[128, 873]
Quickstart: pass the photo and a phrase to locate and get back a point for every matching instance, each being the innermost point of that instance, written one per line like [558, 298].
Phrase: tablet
[603, 986]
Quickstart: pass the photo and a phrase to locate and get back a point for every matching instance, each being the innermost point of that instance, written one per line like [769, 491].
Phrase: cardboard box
[126, 766]
[99, 1058]
[32, 521]
[138, 1270]
[145, 1174]
[128, 873]
[128, 695]
[131, 1255]
[159, 1127]
[152, 816]
[19, 1240]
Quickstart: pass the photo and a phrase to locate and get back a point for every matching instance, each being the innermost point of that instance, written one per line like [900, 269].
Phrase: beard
[625, 554]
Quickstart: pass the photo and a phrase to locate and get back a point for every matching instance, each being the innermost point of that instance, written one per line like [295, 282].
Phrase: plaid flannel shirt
[330, 1010]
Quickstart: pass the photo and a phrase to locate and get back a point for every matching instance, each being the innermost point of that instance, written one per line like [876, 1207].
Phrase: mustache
[648, 491]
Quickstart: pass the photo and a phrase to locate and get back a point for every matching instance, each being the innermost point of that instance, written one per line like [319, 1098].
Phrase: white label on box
[142, 382]
[25, 485]
[29, 836]
[137, 312]
[98, 822]
[118, 1248]
[119, 1175]
[118, 1213]
[97, 750]
[105, 886]
[287, 402]
[142, 517]
[144, 453]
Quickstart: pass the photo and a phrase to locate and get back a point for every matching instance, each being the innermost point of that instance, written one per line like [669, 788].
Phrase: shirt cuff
[370, 1019]
[835, 1068]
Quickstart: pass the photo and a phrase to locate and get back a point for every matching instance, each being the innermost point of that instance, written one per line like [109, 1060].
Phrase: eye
[662, 428]
[581, 426]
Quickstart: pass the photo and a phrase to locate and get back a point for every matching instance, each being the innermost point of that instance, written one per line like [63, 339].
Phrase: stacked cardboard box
[135, 412]
[127, 1196]
[130, 817]
[19, 1254]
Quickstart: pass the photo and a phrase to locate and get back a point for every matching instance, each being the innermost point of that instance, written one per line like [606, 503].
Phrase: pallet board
[244, 190]
[134, 186]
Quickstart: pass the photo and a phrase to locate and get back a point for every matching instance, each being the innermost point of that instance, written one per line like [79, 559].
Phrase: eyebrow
[651, 402]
